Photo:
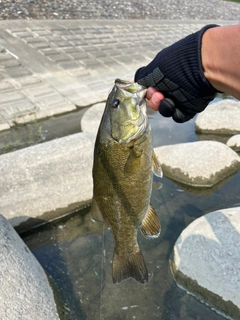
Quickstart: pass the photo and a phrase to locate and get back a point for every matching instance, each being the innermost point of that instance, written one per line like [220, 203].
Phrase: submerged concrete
[206, 260]
[24, 289]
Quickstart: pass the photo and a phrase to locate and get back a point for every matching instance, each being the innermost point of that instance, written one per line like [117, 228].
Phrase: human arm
[198, 66]
[221, 58]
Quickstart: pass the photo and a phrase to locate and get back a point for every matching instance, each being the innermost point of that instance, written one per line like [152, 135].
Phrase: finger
[155, 100]
[150, 92]
[181, 117]
[167, 108]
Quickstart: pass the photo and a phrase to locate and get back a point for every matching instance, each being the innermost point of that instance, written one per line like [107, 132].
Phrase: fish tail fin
[125, 267]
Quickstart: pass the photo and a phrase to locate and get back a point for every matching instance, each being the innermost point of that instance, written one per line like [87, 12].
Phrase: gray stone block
[234, 142]
[47, 180]
[206, 260]
[91, 118]
[200, 164]
[24, 289]
[220, 117]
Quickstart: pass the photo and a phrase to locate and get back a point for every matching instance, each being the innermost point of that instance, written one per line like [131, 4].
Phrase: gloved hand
[177, 72]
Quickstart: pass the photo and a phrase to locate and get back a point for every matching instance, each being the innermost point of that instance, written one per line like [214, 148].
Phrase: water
[39, 131]
[77, 253]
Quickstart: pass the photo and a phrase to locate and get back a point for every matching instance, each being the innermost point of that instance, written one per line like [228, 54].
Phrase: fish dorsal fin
[95, 212]
[156, 166]
[151, 227]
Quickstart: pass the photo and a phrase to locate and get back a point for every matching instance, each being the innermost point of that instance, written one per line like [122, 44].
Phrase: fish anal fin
[130, 266]
[151, 227]
[95, 212]
[156, 166]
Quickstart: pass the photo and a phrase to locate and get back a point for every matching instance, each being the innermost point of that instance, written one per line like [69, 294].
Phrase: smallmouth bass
[122, 178]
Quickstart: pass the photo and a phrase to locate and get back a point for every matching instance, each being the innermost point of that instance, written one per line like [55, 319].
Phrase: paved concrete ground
[53, 67]
[112, 9]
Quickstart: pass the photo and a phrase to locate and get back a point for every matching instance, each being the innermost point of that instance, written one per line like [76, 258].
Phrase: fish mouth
[138, 91]
[131, 87]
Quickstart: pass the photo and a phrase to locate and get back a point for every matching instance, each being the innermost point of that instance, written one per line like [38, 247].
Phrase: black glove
[177, 72]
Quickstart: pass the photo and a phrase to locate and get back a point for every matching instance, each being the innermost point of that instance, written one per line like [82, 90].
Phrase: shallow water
[39, 131]
[77, 253]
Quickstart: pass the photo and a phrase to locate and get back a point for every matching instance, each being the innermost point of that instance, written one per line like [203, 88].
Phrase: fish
[123, 167]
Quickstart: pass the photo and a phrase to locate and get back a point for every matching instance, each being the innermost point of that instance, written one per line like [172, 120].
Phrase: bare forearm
[221, 58]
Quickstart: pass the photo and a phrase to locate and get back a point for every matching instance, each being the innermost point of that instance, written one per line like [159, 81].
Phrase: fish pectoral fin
[156, 166]
[95, 212]
[137, 150]
[133, 161]
[128, 266]
[151, 227]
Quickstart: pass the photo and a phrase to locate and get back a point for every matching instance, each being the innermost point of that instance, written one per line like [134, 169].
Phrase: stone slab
[199, 164]
[234, 142]
[220, 117]
[90, 121]
[24, 289]
[46, 180]
[206, 260]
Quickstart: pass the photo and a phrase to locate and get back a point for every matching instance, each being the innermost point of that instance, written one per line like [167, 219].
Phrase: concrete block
[90, 121]
[234, 142]
[206, 260]
[46, 181]
[200, 164]
[24, 289]
[220, 117]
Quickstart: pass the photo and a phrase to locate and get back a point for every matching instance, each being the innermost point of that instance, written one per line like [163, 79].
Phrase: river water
[76, 253]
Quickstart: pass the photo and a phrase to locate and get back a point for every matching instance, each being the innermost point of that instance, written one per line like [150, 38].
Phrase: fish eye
[115, 103]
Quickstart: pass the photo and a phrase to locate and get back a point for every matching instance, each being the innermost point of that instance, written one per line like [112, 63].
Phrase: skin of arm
[220, 60]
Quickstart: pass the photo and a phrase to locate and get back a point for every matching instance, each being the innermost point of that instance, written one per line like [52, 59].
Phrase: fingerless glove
[178, 73]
